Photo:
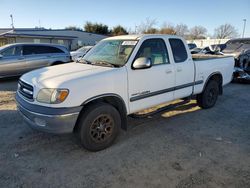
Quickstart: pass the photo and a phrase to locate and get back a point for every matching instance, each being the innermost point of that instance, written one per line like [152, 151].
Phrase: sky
[57, 14]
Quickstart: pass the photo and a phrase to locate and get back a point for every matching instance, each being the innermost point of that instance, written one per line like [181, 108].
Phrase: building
[70, 38]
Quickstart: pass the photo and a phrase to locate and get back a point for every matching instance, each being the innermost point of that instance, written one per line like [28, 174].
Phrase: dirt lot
[186, 147]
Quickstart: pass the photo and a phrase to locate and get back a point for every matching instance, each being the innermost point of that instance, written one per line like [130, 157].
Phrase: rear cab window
[179, 50]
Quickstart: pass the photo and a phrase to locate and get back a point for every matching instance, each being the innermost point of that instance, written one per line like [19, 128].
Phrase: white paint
[87, 81]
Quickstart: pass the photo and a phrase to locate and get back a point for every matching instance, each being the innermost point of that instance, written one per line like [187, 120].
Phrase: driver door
[154, 85]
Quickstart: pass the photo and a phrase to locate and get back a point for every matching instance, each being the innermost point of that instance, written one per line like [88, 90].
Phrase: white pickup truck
[118, 77]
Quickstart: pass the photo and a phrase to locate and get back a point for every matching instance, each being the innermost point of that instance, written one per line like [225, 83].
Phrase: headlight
[52, 96]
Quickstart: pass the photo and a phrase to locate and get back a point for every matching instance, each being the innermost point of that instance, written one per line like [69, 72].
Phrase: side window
[29, 50]
[179, 50]
[12, 51]
[9, 52]
[155, 49]
[50, 49]
[36, 49]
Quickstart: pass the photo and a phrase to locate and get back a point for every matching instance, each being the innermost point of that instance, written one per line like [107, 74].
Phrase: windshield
[5, 46]
[84, 49]
[237, 42]
[236, 45]
[114, 52]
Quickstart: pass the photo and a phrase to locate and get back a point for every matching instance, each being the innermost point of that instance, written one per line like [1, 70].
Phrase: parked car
[240, 50]
[16, 59]
[80, 52]
[214, 49]
[120, 76]
[192, 46]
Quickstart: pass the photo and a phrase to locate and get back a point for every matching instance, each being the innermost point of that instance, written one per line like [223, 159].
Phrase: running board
[162, 109]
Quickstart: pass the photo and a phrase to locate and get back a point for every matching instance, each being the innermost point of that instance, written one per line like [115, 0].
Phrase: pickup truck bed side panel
[204, 69]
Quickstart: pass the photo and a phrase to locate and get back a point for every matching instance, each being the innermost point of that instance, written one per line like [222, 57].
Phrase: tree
[151, 31]
[147, 26]
[225, 31]
[168, 29]
[98, 28]
[198, 32]
[181, 30]
[73, 28]
[119, 30]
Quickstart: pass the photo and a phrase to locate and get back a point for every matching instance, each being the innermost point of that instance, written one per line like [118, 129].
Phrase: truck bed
[201, 57]
[205, 64]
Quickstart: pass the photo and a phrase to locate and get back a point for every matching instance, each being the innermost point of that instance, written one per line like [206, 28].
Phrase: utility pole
[244, 27]
[12, 22]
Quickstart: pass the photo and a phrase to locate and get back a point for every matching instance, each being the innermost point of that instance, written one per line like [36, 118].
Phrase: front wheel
[99, 126]
[208, 97]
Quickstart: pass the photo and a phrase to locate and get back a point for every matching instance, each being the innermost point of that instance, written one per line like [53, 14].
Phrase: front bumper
[47, 119]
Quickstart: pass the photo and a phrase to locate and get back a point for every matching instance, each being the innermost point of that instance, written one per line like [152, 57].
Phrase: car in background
[192, 46]
[75, 55]
[240, 50]
[214, 49]
[19, 58]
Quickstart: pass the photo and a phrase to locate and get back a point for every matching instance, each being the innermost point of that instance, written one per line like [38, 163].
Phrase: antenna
[244, 27]
[12, 22]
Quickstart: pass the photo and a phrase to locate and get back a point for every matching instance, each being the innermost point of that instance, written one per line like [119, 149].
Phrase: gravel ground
[185, 147]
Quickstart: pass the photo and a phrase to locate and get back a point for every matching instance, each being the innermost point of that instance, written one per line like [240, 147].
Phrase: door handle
[20, 58]
[168, 71]
[179, 69]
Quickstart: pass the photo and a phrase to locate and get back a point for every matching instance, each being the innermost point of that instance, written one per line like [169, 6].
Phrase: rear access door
[184, 69]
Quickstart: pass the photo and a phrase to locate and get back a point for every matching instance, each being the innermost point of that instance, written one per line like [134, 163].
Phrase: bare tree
[181, 30]
[198, 32]
[147, 25]
[167, 28]
[225, 31]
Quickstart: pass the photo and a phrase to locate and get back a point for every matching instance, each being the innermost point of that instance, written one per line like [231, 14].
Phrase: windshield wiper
[84, 61]
[105, 63]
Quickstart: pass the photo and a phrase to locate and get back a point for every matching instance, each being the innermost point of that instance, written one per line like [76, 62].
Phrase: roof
[35, 44]
[14, 34]
[42, 29]
[241, 39]
[137, 37]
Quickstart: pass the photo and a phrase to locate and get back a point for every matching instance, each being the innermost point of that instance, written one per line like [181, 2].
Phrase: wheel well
[116, 102]
[219, 79]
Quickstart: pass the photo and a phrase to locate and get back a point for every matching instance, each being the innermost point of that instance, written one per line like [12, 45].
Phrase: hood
[73, 53]
[52, 77]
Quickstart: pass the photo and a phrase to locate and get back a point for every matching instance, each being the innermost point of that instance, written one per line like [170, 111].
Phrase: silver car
[16, 59]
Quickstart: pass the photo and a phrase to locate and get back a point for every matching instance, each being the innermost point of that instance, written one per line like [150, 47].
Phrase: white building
[70, 38]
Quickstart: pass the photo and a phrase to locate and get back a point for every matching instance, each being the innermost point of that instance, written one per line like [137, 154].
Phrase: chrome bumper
[52, 120]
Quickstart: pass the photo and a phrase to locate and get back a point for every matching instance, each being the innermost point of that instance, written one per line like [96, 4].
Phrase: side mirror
[142, 63]
[1, 55]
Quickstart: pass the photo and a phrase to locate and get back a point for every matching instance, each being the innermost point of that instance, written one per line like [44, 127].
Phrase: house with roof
[72, 39]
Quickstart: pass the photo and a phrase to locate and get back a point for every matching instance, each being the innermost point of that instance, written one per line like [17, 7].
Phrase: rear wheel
[208, 97]
[99, 126]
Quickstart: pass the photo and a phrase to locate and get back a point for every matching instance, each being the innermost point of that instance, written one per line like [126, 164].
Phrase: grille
[25, 89]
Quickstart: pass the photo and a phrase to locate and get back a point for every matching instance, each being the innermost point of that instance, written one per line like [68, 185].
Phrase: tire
[98, 126]
[208, 97]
